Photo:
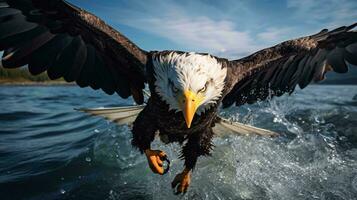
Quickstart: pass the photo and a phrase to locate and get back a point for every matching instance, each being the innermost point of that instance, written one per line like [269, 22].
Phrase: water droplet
[294, 128]
[88, 159]
[277, 120]
[319, 119]
[342, 138]
[63, 191]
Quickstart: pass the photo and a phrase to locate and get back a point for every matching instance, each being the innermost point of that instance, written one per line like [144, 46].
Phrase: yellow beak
[190, 105]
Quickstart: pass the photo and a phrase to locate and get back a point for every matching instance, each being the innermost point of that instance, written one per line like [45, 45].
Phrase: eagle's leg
[198, 144]
[155, 160]
[183, 180]
[144, 129]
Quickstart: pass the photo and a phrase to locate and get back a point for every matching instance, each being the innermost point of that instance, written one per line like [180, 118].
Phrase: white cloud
[199, 33]
[196, 33]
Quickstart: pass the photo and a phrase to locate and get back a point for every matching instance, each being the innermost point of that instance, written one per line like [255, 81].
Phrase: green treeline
[21, 74]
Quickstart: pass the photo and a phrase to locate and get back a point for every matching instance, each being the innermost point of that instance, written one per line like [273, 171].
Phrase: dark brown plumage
[66, 41]
[71, 43]
[278, 69]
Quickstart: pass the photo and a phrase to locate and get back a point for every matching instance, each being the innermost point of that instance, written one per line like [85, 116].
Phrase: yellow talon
[155, 160]
[183, 181]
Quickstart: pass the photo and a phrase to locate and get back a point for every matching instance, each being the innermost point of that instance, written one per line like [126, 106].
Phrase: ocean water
[50, 151]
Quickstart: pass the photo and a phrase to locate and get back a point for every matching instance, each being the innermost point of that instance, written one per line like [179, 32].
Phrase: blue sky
[228, 28]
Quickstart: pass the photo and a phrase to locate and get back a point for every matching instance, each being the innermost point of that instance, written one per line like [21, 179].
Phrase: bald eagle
[186, 89]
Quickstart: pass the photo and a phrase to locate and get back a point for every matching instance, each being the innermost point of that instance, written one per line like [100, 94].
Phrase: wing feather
[63, 59]
[69, 42]
[14, 24]
[44, 56]
[74, 68]
[87, 73]
[278, 69]
[20, 55]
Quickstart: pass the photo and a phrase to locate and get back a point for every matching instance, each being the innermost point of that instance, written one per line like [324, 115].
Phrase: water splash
[279, 111]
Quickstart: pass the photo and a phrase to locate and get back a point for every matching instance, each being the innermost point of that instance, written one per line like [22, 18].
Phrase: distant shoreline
[34, 83]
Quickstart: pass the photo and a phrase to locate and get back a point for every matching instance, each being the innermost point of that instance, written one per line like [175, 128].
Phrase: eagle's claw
[183, 181]
[155, 159]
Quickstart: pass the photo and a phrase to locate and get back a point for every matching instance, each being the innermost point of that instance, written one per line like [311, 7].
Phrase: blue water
[50, 151]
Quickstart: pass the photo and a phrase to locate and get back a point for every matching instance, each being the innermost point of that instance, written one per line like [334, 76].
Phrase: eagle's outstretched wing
[277, 70]
[71, 43]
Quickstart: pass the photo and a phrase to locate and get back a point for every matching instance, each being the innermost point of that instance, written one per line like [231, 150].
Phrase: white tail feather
[225, 127]
[127, 115]
[120, 115]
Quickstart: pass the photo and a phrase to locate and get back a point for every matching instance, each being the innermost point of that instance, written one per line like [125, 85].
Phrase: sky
[227, 28]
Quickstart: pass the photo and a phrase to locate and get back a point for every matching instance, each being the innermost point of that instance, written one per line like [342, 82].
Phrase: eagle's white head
[189, 82]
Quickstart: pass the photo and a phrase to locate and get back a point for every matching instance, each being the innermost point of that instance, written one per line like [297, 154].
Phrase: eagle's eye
[173, 87]
[202, 90]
